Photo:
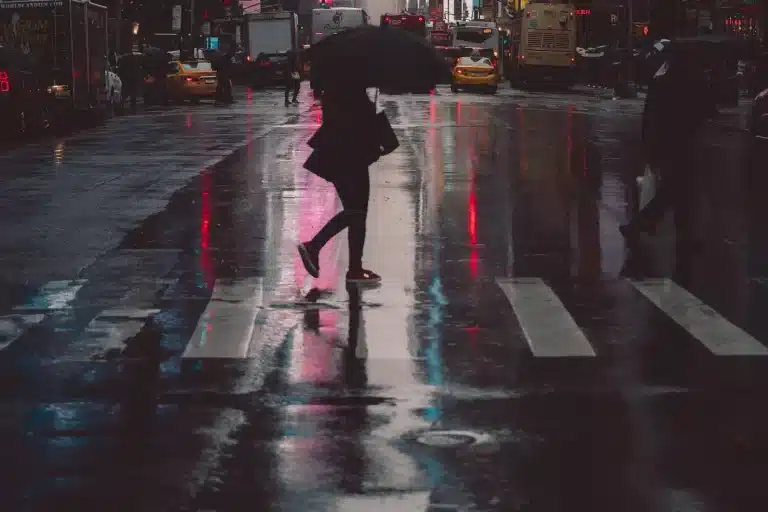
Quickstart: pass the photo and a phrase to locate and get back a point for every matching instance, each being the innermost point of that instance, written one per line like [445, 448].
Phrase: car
[475, 72]
[758, 121]
[191, 80]
[27, 104]
[269, 70]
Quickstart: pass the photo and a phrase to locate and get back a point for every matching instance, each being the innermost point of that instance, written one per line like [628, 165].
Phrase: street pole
[119, 27]
[192, 34]
[630, 91]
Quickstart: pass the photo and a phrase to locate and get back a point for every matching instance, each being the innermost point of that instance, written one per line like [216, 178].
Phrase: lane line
[548, 327]
[711, 329]
[12, 327]
[225, 328]
[107, 334]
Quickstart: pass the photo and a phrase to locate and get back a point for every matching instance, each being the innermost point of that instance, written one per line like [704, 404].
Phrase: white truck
[332, 20]
[271, 33]
[268, 39]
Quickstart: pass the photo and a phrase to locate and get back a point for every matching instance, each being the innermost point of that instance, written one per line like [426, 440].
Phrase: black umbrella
[370, 56]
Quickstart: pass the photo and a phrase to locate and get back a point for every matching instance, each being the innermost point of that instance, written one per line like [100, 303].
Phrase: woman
[345, 146]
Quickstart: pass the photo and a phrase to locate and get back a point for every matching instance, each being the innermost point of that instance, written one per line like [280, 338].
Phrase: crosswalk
[233, 320]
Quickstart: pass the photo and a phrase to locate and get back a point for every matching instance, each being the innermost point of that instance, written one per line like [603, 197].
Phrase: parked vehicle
[67, 39]
[268, 35]
[270, 70]
[26, 102]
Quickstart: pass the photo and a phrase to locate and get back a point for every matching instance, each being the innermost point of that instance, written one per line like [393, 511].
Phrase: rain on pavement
[162, 348]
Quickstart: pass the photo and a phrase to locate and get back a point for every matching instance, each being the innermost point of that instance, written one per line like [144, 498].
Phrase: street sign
[205, 28]
[176, 19]
[440, 26]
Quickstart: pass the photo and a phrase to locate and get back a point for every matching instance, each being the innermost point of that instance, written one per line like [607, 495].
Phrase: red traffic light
[645, 30]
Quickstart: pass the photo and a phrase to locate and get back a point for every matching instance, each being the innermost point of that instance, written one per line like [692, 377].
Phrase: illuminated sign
[583, 12]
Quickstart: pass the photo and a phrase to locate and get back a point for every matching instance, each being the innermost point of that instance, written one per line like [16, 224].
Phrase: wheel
[493, 90]
[454, 88]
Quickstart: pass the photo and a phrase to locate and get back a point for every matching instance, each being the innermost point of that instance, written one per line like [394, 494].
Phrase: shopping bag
[647, 185]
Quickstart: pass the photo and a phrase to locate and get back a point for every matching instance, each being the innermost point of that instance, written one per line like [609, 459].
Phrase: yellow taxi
[475, 72]
[191, 80]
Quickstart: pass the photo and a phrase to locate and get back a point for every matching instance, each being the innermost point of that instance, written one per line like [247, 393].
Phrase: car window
[276, 59]
[196, 66]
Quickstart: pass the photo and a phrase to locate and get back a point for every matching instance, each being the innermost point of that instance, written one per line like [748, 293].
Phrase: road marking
[226, 326]
[393, 502]
[107, 334]
[720, 336]
[52, 296]
[548, 327]
[12, 327]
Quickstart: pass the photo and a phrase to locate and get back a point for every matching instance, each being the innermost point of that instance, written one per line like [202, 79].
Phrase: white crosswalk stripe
[720, 336]
[549, 328]
[226, 326]
[229, 327]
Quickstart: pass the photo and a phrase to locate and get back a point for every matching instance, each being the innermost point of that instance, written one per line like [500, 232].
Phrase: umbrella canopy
[371, 56]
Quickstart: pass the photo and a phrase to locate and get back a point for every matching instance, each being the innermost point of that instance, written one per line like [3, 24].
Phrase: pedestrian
[293, 78]
[678, 103]
[224, 95]
[129, 71]
[346, 144]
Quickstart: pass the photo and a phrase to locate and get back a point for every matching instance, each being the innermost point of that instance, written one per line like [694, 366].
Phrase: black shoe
[295, 101]
[363, 276]
[311, 260]
[287, 104]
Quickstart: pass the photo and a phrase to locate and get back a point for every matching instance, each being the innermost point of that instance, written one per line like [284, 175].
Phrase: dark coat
[349, 138]
[679, 100]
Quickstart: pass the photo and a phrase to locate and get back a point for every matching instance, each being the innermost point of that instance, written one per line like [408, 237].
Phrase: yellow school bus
[543, 44]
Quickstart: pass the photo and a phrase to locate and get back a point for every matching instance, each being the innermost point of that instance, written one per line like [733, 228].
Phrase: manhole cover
[446, 439]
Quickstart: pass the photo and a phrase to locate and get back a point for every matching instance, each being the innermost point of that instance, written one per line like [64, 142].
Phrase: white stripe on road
[12, 327]
[227, 324]
[107, 334]
[380, 502]
[720, 336]
[548, 327]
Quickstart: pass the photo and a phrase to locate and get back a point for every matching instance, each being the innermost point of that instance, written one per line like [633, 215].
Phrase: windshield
[196, 66]
[474, 35]
[468, 61]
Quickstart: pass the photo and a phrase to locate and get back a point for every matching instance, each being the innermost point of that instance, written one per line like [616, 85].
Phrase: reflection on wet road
[162, 348]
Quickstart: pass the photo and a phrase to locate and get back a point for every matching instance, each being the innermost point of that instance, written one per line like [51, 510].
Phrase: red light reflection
[206, 258]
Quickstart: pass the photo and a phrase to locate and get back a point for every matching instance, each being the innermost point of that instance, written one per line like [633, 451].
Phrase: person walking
[678, 103]
[346, 144]
[293, 78]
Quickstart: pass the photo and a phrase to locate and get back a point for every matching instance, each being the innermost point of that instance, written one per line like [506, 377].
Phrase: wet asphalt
[162, 348]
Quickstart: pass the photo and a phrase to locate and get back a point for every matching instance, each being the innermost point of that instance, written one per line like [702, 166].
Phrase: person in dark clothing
[129, 71]
[347, 143]
[224, 94]
[293, 78]
[679, 101]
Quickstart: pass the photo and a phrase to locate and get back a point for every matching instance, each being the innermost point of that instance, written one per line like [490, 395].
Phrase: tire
[454, 88]
[493, 90]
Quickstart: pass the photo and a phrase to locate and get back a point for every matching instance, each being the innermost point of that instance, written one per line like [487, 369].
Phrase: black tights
[353, 190]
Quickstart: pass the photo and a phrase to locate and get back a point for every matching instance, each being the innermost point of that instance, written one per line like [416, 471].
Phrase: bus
[335, 19]
[543, 44]
[482, 36]
[414, 23]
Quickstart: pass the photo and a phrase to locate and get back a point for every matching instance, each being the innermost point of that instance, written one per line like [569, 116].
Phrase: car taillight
[266, 64]
[421, 19]
[5, 83]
